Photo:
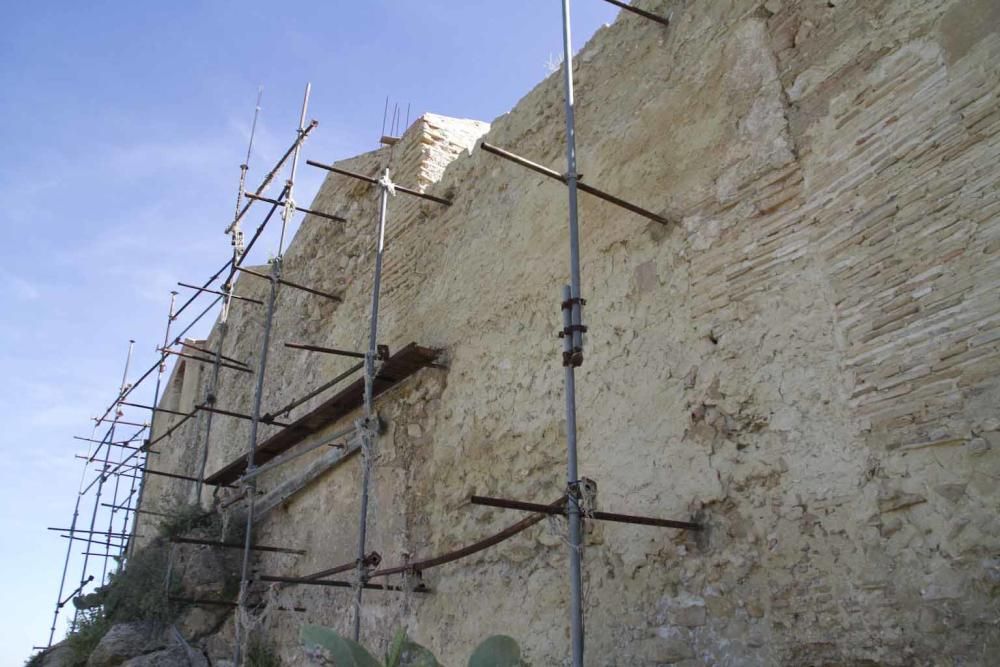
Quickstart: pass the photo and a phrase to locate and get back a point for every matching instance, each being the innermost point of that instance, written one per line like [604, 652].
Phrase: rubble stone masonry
[806, 361]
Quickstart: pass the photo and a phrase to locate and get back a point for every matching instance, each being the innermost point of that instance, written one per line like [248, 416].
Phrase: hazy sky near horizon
[122, 127]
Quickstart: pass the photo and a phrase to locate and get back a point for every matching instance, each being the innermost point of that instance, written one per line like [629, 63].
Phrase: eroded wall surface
[805, 362]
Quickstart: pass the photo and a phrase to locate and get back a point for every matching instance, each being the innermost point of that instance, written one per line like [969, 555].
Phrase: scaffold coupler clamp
[369, 562]
[289, 202]
[368, 428]
[385, 182]
[583, 494]
[574, 355]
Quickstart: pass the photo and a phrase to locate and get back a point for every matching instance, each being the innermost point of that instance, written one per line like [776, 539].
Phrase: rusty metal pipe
[289, 283]
[598, 516]
[239, 415]
[212, 291]
[457, 554]
[208, 361]
[325, 350]
[641, 12]
[337, 584]
[583, 187]
[236, 545]
[374, 181]
[301, 209]
[315, 392]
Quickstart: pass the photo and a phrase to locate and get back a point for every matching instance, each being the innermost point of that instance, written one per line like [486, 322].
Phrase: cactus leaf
[336, 649]
[405, 652]
[395, 649]
[497, 651]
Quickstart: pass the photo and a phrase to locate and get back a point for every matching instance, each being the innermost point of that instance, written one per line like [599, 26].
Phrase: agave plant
[495, 651]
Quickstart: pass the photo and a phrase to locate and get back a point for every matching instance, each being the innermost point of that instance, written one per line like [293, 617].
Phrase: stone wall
[805, 362]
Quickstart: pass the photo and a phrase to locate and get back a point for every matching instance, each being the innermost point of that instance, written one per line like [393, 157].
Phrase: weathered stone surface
[124, 641]
[175, 656]
[59, 655]
[808, 362]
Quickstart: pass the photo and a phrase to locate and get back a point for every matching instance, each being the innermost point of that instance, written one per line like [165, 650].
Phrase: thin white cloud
[20, 288]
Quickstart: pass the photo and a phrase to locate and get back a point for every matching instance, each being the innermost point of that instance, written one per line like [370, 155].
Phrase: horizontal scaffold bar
[235, 545]
[118, 422]
[315, 392]
[90, 532]
[372, 560]
[598, 516]
[211, 353]
[301, 209]
[171, 430]
[241, 369]
[289, 283]
[475, 547]
[420, 588]
[325, 350]
[151, 408]
[238, 415]
[104, 442]
[122, 541]
[231, 296]
[641, 12]
[583, 187]
[375, 181]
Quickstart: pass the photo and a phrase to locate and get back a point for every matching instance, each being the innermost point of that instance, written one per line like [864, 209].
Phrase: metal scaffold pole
[69, 548]
[121, 453]
[369, 427]
[102, 477]
[572, 307]
[152, 420]
[236, 234]
[251, 486]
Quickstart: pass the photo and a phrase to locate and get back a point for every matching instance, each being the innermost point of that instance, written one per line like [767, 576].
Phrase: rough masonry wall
[806, 362]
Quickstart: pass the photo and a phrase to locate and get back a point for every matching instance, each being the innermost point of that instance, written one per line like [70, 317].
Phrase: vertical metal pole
[573, 506]
[108, 438]
[152, 419]
[251, 488]
[69, 547]
[573, 354]
[369, 427]
[125, 515]
[111, 515]
[121, 453]
[237, 242]
[93, 520]
[213, 386]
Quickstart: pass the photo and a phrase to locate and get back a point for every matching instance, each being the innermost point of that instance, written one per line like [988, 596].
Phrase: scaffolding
[380, 371]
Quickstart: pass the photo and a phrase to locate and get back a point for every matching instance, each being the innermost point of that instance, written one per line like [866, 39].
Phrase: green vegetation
[496, 651]
[138, 592]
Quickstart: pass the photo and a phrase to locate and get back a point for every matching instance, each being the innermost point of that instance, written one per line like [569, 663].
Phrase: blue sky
[122, 127]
